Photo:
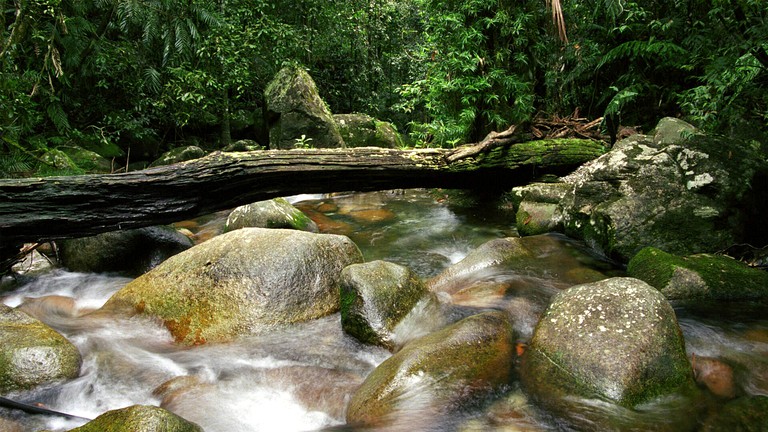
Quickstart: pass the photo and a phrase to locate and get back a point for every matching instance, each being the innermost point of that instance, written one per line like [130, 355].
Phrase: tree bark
[43, 209]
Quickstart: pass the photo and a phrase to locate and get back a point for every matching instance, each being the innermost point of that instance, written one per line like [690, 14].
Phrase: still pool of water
[300, 378]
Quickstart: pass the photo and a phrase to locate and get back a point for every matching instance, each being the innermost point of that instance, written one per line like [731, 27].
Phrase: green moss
[703, 275]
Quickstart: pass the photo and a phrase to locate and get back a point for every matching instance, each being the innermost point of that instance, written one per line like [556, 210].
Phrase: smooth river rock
[139, 418]
[241, 282]
[274, 213]
[31, 353]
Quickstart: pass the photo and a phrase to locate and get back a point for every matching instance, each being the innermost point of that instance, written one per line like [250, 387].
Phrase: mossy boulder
[677, 190]
[243, 145]
[615, 340]
[241, 282]
[89, 161]
[375, 297]
[361, 130]
[746, 414]
[295, 110]
[179, 154]
[700, 276]
[56, 162]
[131, 252]
[444, 370]
[139, 418]
[274, 213]
[31, 353]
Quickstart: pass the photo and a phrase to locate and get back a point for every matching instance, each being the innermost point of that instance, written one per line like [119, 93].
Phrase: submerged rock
[131, 252]
[239, 282]
[615, 340]
[138, 418]
[542, 256]
[701, 276]
[747, 414]
[274, 213]
[297, 113]
[438, 373]
[375, 297]
[31, 353]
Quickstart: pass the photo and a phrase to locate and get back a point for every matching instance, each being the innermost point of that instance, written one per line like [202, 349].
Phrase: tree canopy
[130, 78]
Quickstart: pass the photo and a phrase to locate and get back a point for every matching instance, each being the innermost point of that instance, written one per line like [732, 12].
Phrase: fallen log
[43, 209]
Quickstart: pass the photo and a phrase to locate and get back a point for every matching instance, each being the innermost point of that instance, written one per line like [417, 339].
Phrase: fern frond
[152, 79]
[58, 117]
[634, 50]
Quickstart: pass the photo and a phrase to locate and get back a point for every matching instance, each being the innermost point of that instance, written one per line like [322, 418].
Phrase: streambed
[300, 378]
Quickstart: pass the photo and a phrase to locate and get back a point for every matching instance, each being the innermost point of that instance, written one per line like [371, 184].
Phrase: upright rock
[295, 110]
[241, 282]
[274, 213]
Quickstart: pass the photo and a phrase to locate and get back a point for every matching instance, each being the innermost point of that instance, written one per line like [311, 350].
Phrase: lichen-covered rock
[139, 418]
[56, 162]
[131, 252]
[295, 109]
[442, 370]
[746, 414]
[678, 190]
[31, 353]
[700, 276]
[274, 213]
[615, 340]
[241, 282]
[179, 154]
[361, 130]
[375, 296]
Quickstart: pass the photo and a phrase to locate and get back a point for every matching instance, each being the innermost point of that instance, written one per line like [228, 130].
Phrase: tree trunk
[42, 209]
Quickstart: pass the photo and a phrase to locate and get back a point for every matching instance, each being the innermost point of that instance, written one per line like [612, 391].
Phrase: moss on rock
[274, 213]
[139, 418]
[700, 276]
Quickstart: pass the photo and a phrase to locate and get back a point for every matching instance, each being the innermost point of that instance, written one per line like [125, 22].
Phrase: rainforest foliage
[131, 78]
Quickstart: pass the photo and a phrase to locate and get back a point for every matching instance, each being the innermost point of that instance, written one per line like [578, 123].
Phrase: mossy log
[43, 209]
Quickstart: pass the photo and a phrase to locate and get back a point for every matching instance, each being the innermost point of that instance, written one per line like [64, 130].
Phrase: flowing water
[300, 378]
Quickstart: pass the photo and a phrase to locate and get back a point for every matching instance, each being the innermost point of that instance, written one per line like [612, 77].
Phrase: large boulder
[31, 353]
[442, 370]
[361, 130]
[131, 252]
[699, 276]
[296, 113]
[375, 297]
[274, 213]
[139, 418]
[241, 282]
[615, 340]
[677, 190]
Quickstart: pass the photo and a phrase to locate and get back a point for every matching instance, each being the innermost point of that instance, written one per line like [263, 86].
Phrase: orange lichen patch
[179, 329]
[141, 306]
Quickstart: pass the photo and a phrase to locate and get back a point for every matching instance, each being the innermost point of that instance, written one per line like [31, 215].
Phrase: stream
[300, 378]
